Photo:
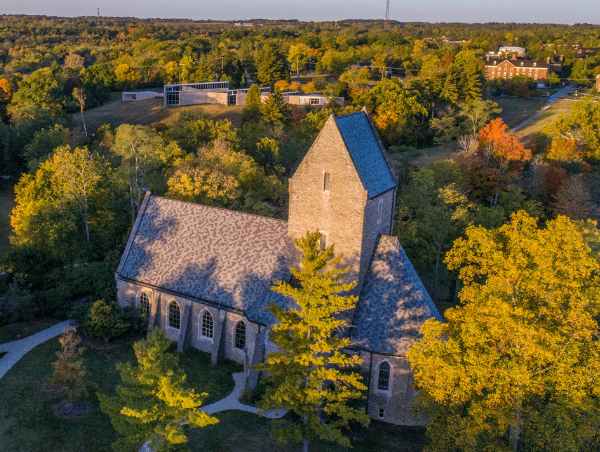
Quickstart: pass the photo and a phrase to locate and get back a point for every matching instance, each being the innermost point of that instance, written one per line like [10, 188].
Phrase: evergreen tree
[153, 404]
[269, 66]
[251, 111]
[275, 110]
[105, 320]
[311, 376]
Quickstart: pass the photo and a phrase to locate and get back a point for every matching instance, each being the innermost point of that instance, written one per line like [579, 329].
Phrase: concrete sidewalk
[231, 402]
[556, 96]
[17, 349]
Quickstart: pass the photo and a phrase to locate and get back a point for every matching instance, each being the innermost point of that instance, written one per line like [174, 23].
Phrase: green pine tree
[152, 404]
[275, 110]
[251, 111]
[311, 375]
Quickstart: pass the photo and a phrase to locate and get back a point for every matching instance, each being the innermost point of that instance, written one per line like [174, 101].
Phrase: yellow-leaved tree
[516, 365]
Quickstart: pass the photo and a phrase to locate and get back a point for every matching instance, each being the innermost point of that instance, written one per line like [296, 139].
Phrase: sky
[523, 11]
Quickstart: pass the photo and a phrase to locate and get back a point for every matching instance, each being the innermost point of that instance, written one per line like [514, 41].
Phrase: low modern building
[203, 274]
[140, 95]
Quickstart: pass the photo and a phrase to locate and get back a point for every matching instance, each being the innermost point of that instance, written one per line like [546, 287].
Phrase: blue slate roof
[393, 303]
[367, 152]
[206, 253]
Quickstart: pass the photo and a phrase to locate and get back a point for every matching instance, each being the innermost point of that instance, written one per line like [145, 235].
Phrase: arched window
[240, 335]
[144, 305]
[206, 329]
[383, 379]
[174, 315]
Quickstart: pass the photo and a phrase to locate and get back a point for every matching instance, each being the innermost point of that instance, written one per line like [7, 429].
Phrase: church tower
[346, 188]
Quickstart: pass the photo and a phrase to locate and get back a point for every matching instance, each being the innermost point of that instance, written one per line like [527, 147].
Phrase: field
[28, 420]
[149, 111]
[547, 117]
[515, 110]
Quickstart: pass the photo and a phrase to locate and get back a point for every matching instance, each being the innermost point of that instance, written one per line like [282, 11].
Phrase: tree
[79, 95]
[77, 175]
[552, 78]
[126, 77]
[311, 375]
[139, 148]
[105, 321]
[68, 369]
[153, 403]
[188, 69]
[515, 365]
[269, 66]
[251, 111]
[478, 112]
[275, 110]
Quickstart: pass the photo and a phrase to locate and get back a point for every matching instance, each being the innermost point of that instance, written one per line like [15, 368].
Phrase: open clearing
[515, 110]
[562, 107]
[149, 111]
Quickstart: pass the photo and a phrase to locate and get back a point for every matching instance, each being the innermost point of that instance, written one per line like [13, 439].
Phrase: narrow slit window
[326, 182]
[381, 413]
[323, 241]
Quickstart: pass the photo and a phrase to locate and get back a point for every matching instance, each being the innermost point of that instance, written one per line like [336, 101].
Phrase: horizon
[426, 11]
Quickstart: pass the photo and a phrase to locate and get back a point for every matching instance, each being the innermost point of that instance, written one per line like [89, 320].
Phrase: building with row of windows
[203, 274]
[496, 68]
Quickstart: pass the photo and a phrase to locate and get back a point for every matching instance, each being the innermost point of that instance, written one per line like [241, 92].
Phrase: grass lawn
[238, 431]
[515, 110]
[421, 158]
[9, 333]
[27, 420]
[549, 116]
[7, 203]
[148, 111]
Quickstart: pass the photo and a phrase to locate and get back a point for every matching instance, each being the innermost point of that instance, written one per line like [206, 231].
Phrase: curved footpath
[17, 349]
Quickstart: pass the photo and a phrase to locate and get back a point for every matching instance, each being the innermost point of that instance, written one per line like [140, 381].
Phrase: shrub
[105, 320]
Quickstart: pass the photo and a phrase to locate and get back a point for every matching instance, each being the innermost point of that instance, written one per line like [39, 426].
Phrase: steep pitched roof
[393, 303]
[370, 159]
[210, 254]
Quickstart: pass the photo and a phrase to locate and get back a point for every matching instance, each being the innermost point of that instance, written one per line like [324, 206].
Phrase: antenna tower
[387, 10]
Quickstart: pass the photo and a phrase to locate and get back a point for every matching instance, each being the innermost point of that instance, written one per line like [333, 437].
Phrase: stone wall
[394, 405]
[223, 321]
[340, 212]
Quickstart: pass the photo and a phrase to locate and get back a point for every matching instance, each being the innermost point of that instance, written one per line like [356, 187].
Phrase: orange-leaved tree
[495, 140]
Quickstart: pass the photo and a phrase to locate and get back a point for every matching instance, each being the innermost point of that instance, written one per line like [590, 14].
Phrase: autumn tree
[311, 375]
[514, 367]
[495, 140]
[69, 371]
[79, 95]
[153, 402]
[139, 148]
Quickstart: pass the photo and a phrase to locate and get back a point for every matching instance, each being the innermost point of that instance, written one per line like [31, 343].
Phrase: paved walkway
[557, 95]
[17, 349]
[231, 402]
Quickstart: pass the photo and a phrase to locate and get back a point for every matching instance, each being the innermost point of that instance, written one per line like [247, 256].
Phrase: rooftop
[366, 150]
[216, 255]
[393, 303]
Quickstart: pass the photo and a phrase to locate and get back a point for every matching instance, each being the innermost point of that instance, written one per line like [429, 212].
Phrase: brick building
[496, 68]
[203, 273]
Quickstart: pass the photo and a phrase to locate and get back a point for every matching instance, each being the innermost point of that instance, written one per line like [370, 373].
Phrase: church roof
[393, 303]
[367, 152]
[213, 255]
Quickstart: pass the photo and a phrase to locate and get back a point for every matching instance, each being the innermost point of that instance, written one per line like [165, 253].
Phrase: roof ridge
[220, 208]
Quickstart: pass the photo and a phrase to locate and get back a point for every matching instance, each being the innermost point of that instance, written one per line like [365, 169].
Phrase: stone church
[203, 274]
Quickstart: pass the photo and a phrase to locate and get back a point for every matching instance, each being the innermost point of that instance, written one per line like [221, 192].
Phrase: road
[560, 93]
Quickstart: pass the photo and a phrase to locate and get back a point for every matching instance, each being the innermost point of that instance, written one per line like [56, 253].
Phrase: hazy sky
[546, 11]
